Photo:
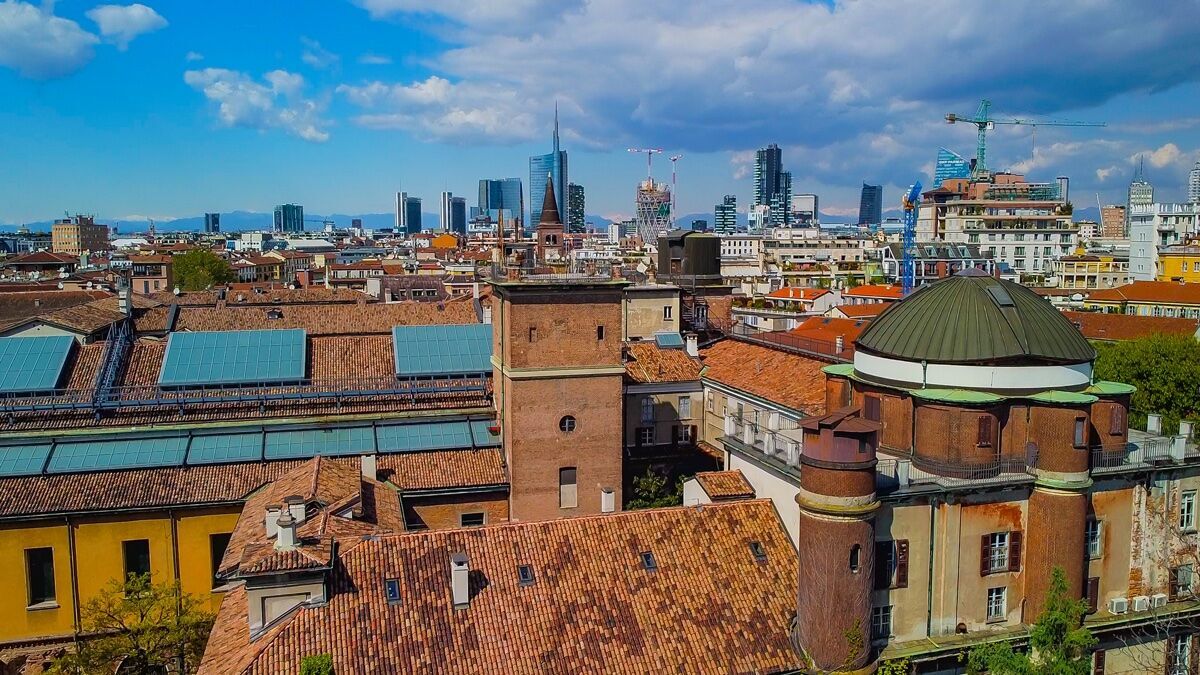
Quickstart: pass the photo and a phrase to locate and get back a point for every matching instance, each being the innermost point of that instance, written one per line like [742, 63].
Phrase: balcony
[901, 475]
[1144, 451]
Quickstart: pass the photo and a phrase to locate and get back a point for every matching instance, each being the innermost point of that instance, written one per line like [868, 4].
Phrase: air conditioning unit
[1141, 603]
[1158, 600]
[1118, 605]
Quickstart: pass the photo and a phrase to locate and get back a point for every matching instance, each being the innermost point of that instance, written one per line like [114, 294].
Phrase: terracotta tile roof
[437, 470]
[271, 294]
[42, 258]
[337, 319]
[867, 310]
[797, 293]
[262, 558]
[823, 333]
[709, 607]
[888, 291]
[15, 307]
[85, 366]
[343, 356]
[1165, 292]
[87, 319]
[647, 363]
[721, 485]
[790, 380]
[1104, 326]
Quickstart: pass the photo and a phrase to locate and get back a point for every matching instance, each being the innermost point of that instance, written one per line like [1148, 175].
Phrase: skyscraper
[870, 205]
[1141, 193]
[575, 202]
[400, 196]
[554, 165]
[653, 215]
[444, 213]
[1194, 184]
[805, 209]
[502, 193]
[725, 216]
[289, 218]
[212, 223]
[458, 215]
[950, 165]
[773, 185]
[410, 223]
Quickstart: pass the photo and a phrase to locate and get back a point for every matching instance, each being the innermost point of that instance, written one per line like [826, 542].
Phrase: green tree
[141, 626]
[1164, 368]
[201, 269]
[1060, 645]
[654, 490]
[319, 664]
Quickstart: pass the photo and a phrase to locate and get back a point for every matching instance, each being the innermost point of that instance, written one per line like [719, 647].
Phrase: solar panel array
[240, 445]
[423, 351]
[241, 357]
[33, 364]
[668, 340]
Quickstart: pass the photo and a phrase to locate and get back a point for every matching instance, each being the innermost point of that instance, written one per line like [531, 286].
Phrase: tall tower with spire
[554, 164]
[1141, 192]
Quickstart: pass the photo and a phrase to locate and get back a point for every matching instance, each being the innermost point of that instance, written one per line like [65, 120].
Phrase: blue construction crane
[911, 204]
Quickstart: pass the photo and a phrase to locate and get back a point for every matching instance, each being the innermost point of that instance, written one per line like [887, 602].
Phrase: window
[533, 333]
[1098, 662]
[1187, 511]
[137, 557]
[1178, 654]
[708, 402]
[685, 407]
[1092, 533]
[648, 561]
[599, 332]
[997, 603]
[881, 622]
[1116, 421]
[757, 550]
[1080, 432]
[391, 590]
[871, 407]
[891, 564]
[647, 409]
[685, 433]
[645, 436]
[525, 575]
[566, 424]
[471, 520]
[984, 432]
[568, 496]
[39, 570]
[1000, 552]
[855, 558]
[1181, 582]
[217, 543]
[667, 313]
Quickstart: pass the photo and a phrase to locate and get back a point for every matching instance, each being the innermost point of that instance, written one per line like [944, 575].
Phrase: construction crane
[912, 205]
[674, 158]
[984, 122]
[650, 153]
[327, 223]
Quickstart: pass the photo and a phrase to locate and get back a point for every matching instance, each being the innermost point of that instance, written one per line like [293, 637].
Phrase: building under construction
[653, 210]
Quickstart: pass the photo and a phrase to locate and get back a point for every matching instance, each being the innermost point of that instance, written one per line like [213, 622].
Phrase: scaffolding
[653, 210]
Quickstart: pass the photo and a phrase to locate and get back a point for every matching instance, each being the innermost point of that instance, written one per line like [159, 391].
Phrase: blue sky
[173, 108]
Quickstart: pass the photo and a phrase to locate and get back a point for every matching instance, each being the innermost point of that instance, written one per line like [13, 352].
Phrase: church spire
[550, 204]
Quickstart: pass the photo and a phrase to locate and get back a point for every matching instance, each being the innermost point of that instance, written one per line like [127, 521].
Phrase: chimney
[1154, 423]
[123, 304]
[692, 344]
[458, 580]
[272, 519]
[295, 506]
[608, 500]
[839, 344]
[368, 467]
[286, 537]
[487, 314]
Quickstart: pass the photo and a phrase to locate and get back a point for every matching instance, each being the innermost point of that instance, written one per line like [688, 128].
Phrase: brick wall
[445, 511]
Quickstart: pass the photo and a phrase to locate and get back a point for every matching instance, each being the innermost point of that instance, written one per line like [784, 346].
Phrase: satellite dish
[60, 285]
[1077, 297]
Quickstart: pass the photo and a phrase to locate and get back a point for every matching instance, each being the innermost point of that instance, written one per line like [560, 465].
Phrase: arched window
[855, 559]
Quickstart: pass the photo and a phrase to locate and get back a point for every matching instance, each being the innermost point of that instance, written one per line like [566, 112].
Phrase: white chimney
[271, 520]
[839, 344]
[295, 506]
[692, 344]
[368, 467]
[458, 580]
[608, 500]
[286, 537]
[1154, 423]
[487, 314]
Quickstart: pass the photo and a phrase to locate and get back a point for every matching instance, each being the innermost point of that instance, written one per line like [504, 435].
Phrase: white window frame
[568, 493]
[647, 410]
[667, 313]
[998, 552]
[1187, 511]
[1182, 656]
[685, 407]
[997, 604]
[1094, 538]
[646, 435]
[881, 622]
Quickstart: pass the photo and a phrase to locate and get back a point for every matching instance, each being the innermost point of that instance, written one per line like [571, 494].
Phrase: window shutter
[883, 577]
[902, 563]
[1014, 551]
[985, 431]
[1093, 593]
[871, 407]
[692, 433]
[1116, 420]
[1173, 586]
[1098, 663]
[985, 550]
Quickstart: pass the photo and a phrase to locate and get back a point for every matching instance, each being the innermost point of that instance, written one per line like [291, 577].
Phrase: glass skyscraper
[553, 164]
[412, 215]
[870, 205]
[725, 216]
[950, 165]
[289, 218]
[212, 223]
[575, 207]
[503, 193]
[773, 185]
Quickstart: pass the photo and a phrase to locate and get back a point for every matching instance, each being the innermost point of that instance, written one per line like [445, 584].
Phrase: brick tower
[558, 382]
[837, 541]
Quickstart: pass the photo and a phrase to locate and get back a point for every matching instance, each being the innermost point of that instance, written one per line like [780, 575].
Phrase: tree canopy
[1059, 644]
[1164, 368]
[654, 490]
[201, 269]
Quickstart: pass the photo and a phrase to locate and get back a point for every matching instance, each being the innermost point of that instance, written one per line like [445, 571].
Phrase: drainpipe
[75, 618]
[929, 595]
[924, 373]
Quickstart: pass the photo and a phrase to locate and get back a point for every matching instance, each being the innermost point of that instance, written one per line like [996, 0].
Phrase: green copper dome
[972, 318]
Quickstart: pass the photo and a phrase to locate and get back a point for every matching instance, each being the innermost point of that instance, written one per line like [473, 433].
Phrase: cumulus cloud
[374, 60]
[1163, 156]
[277, 104]
[120, 24]
[317, 56]
[1102, 174]
[39, 45]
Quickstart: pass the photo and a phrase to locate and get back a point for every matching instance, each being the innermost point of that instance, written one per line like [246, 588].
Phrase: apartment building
[78, 235]
[1152, 226]
[1086, 271]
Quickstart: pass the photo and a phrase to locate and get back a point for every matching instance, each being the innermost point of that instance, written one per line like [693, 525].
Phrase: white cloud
[513, 14]
[374, 60]
[742, 161]
[317, 56]
[39, 45]
[193, 56]
[1166, 154]
[1102, 174]
[120, 24]
[278, 104]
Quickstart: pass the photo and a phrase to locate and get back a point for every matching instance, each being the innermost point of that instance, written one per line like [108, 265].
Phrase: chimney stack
[839, 344]
[286, 537]
[368, 467]
[295, 507]
[458, 580]
[692, 344]
[272, 519]
[608, 500]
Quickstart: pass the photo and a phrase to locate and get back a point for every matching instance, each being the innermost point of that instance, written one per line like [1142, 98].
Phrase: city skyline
[161, 120]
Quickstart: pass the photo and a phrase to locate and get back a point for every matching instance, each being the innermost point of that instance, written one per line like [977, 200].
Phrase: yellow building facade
[1179, 263]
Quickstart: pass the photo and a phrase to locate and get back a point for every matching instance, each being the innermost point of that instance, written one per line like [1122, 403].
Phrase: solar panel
[425, 436]
[23, 460]
[667, 340]
[218, 448]
[123, 453]
[33, 364]
[442, 350]
[234, 357]
[313, 442]
[481, 432]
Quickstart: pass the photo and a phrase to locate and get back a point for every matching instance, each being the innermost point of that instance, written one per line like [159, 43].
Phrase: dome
[972, 318]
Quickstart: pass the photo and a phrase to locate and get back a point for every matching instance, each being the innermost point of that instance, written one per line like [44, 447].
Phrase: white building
[1154, 225]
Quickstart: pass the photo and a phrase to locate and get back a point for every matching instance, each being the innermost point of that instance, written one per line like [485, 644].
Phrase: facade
[1148, 298]
[870, 205]
[289, 218]
[553, 164]
[1180, 263]
[725, 215]
[1085, 271]
[773, 185]
[504, 194]
[650, 309]
[411, 222]
[652, 204]
[949, 165]
[151, 273]
[576, 217]
[1141, 193]
[453, 215]
[806, 210]
[78, 235]
[550, 234]
[935, 260]
[212, 223]
[1113, 222]
[1156, 225]
[1193, 186]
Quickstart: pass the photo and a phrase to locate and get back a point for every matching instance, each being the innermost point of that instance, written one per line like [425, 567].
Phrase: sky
[179, 107]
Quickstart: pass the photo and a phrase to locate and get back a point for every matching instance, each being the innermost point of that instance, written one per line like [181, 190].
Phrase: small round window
[567, 424]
